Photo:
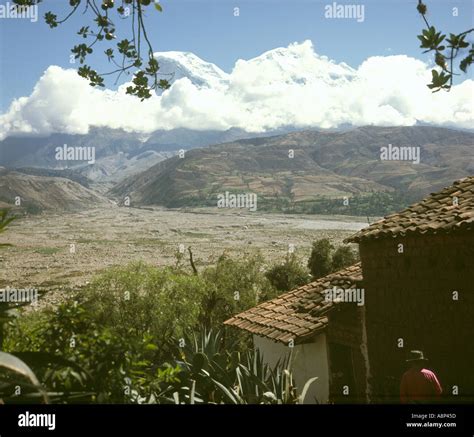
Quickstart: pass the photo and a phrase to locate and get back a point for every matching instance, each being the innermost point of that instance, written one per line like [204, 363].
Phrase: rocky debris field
[53, 250]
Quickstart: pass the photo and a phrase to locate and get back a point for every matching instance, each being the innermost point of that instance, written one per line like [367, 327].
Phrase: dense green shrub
[324, 259]
[289, 275]
[142, 300]
[320, 260]
[233, 285]
[344, 256]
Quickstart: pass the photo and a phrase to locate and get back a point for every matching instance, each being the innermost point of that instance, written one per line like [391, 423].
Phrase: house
[417, 275]
[418, 269]
[324, 336]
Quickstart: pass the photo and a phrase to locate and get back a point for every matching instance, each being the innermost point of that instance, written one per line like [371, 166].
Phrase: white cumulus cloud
[285, 86]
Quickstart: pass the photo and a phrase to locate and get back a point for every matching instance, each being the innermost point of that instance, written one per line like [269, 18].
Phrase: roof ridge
[295, 315]
[451, 208]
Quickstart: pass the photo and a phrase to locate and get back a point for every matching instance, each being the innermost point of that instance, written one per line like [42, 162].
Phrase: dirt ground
[54, 250]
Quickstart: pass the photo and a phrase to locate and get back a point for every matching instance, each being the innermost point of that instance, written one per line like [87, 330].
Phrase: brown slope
[46, 193]
[331, 164]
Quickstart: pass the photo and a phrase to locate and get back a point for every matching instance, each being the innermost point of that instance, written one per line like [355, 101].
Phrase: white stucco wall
[309, 360]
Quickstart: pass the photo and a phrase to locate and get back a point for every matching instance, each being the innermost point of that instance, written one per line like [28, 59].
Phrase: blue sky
[210, 30]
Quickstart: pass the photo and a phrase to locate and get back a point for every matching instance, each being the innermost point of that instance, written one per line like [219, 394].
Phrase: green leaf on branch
[439, 81]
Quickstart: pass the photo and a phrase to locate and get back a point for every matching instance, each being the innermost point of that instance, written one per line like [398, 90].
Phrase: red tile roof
[297, 314]
[437, 213]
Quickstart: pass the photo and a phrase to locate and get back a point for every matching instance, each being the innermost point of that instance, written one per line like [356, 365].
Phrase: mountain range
[298, 166]
[324, 164]
[118, 154]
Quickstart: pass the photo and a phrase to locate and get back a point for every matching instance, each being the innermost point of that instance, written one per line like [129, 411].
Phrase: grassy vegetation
[375, 204]
[94, 241]
[47, 250]
[370, 204]
[196, 234]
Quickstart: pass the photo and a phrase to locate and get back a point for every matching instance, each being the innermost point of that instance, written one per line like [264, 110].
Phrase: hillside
[325, 164]
[118, 154]
[46, 193]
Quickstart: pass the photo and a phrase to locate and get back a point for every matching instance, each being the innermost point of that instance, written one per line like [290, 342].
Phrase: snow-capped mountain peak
[176, 65]
[297, 63]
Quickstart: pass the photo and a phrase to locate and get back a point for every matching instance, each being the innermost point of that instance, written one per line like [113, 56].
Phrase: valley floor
[42, 256]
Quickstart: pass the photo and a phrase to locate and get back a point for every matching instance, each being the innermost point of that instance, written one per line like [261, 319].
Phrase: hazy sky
[211, 30]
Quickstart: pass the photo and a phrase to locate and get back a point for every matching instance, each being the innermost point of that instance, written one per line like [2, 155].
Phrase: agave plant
[210, 374]
[259, 383]
[203, 359]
